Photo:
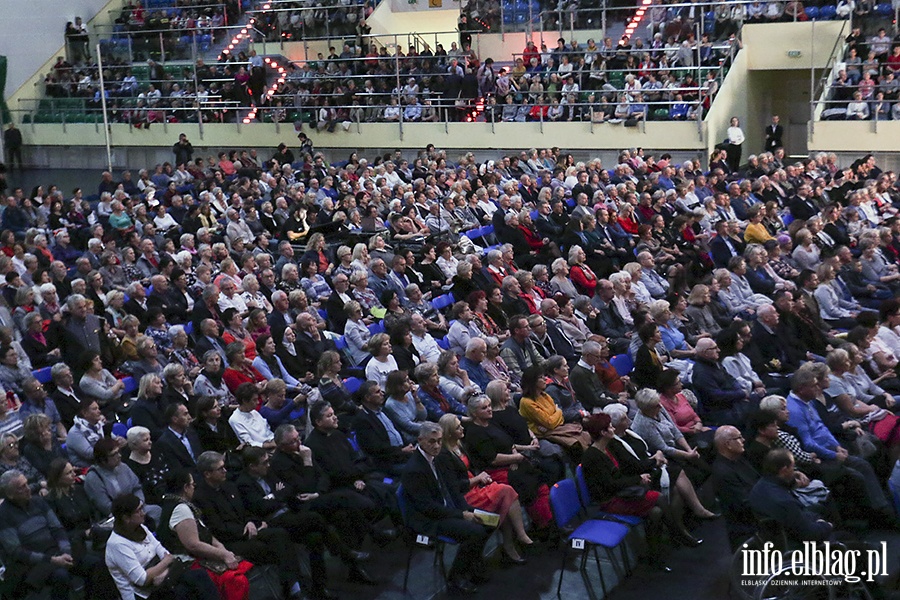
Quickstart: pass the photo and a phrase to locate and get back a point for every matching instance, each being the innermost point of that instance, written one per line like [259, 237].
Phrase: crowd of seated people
[866, 87]
[305, 20]
[283, 395]
[570, 82]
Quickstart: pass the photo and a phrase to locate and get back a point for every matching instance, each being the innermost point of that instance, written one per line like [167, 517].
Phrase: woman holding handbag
[182, 530]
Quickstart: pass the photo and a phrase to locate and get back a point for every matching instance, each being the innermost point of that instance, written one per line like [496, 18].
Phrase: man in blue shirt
[815, 437]
[476, 350]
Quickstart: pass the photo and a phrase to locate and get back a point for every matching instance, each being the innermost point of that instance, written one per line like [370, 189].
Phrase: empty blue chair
[589, 534]
[622, 363]
[130, 385]
[120, 429]
[827, 13]
[885, 9]
[42, 375]
[352, 384]
[442, 302]
[812, 12]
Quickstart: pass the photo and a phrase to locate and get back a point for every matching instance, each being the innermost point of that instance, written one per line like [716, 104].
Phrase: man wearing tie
[773, 135]
[179, 445]
[436, 507]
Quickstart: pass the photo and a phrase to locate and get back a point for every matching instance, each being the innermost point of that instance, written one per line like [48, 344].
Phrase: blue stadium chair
[416, 539]
[827, 13]
[376, 327]
[442, 302]
[120, 429]
[340, 343]
[590, 533]
[352, 384]
[443, 343]
[42, 375]
[323, 314]
[128, 423]
[884, 10]
[585, 496]
[812, 12]
[189, 327]
[622, 363]
[130, 385]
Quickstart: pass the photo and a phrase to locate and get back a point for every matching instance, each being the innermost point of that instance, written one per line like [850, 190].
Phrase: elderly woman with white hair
[639, 289]
[580, 273]
[657, 428]
[634, 447]
[150, 468]
[251, 295]
[560, 282]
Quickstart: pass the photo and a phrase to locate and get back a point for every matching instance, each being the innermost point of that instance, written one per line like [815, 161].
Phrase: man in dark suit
[179, 445]
[65, 396]
[280, 317]
[561, 342]
[771, 498]
[176, 298]
[208, 339]
[310, 342]
[723, 249]
[774, 132]
[771, 354]
[334, 306]
[436, 507]
[228, 519]
[546, 228]
[376, 434]
[137, 302]
[801, 205]
[207, 307]
[268, 499]
[159, 297]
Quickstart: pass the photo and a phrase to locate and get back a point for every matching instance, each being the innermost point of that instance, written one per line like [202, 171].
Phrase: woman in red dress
[618, 492]
[239, 368]
[580, 274]
[482, 492]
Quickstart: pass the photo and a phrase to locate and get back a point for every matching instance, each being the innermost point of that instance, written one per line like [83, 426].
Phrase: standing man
[183, 151]
[774, 131]
[12, 141]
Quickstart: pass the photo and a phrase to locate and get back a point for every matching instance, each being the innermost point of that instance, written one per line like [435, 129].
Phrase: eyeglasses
[736, 438]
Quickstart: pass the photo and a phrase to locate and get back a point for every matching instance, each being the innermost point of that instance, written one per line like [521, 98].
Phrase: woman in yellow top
[545, 418]
[756, 232]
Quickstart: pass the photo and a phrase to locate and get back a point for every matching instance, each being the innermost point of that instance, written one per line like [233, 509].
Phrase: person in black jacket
[436, 507]
[268, 499]
[377, 435]
[228, 520]
[346, 467]
[148, 410]
[179, 445]
[183, 150]
[349, 511]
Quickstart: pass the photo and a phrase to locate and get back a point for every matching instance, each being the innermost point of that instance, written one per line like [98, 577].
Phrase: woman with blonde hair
[481, 491]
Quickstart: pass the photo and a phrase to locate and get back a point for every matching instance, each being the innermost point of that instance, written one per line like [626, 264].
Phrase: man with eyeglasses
[721, 398]
[237, 529]
[734, 477]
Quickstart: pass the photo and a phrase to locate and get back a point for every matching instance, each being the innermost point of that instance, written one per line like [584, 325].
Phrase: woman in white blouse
[735, 362]
[382, 362]
[139, 563]
[356, 332]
